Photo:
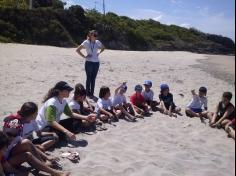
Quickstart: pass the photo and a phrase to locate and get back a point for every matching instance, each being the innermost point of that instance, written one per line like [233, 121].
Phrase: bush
[53, 25]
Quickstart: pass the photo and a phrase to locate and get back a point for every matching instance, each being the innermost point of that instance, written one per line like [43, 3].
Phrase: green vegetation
[51, 24]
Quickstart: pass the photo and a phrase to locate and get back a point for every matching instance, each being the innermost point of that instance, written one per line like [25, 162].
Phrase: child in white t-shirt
[148, 95]
[198, 106]
[104, 108]
[120, 103]
[77, 106]
[45, 140]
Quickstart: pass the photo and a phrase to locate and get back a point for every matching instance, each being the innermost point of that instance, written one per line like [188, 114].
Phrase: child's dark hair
[4, 141]
[228, 95]
[79, 91]
[28, 109]
[79, 87]
[203, 90]
[103, 91]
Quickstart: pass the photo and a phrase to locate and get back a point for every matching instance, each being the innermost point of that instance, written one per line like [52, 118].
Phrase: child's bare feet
[132, 118]
[139, 116]
[174, 115]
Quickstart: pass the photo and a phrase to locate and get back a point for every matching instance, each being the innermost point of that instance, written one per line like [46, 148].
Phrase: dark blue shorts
[43, 139]
[196, 110]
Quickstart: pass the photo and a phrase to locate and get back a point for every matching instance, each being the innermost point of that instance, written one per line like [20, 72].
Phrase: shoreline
[201, 53]
[212, 66]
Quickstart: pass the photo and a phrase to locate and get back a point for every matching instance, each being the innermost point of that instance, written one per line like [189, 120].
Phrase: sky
[210, 16]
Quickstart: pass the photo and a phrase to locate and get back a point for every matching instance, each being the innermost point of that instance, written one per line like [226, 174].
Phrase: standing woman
[92, 46]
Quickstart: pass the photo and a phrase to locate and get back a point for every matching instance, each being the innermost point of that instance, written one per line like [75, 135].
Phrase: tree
[55, 4]
[22, 4]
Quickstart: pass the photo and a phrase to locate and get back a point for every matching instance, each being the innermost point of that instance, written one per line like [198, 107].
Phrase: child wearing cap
[198, 106]
[105, 110]
[119, 102]
[77, 106]
[225, 112]
[138, 101]
[54, 105]
[148, 95]
[167, 105]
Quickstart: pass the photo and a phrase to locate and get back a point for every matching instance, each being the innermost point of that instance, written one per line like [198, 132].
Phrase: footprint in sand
[179, 81]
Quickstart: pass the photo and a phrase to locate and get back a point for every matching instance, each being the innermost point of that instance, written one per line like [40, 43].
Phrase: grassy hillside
[67, 28]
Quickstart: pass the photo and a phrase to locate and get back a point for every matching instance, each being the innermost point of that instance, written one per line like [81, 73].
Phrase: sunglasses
[95, 35]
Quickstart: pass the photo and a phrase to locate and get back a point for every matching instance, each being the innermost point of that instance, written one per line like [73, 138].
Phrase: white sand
[156, 146]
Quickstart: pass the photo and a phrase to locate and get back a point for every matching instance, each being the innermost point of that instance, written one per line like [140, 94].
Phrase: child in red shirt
[138, 101]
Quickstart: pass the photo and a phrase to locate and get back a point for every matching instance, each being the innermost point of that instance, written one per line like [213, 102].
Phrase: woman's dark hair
[28, 109]
[92, 32]
[51, 93]
[103, 91]
[228, 95]
[79, 91]
[4, 141]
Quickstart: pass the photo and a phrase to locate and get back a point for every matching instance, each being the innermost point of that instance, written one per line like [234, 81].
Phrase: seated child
[4, 165]
[198, 106]
[76, 105]
[84, 109]
[4, 142]
[225, 112]
[44, 140]
[105, 109]
[138, 101]
[21, 150]
[27, 116]
[230, 129]
[148, 95]
[167, 105]
[120, 103]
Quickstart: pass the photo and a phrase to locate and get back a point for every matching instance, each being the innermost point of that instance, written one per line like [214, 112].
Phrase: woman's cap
[62, 85]
[148, 83]
[138, 88]
[164, 87]
[203, 90]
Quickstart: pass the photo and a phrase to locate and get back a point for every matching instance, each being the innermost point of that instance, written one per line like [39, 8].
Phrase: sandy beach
[155, 146]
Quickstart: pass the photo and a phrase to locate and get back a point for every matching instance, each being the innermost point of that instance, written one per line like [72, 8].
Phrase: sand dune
[155, 146]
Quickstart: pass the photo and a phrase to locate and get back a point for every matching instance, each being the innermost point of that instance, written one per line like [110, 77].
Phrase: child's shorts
[43, 139]
[196, 110]
[143, 107]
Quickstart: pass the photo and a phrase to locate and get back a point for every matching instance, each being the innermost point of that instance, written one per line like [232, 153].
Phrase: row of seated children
[143, 100]
[17, 145]
[16, 149]
[222, 117]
